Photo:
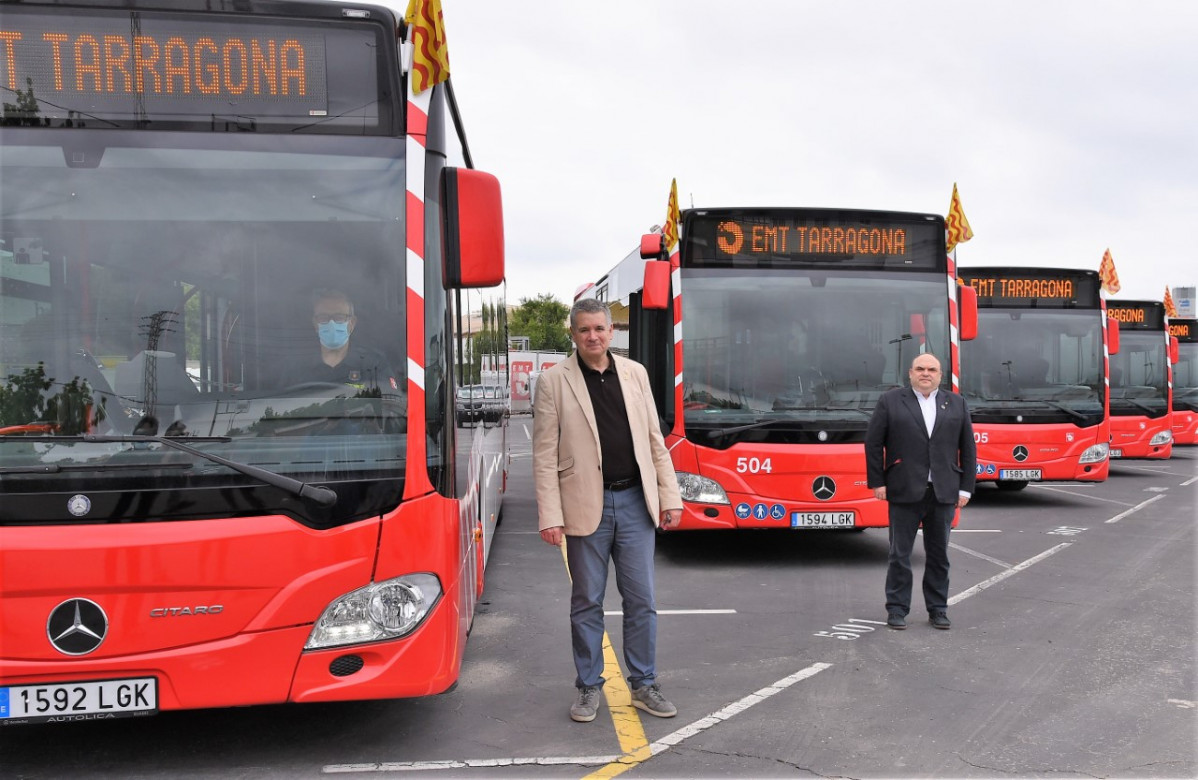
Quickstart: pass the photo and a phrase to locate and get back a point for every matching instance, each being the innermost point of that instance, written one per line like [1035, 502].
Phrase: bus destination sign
[1033, 288]
[1141, 315]
[1185, 330]
[783, 237]
[116, 65]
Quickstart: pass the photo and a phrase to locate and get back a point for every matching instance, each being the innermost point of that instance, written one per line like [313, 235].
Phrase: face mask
[333, 335]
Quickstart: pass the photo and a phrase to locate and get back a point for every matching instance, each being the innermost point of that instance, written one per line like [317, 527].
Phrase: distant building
[1183, 299]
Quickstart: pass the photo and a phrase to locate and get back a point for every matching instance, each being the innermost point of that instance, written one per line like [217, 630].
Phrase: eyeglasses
[325, 319]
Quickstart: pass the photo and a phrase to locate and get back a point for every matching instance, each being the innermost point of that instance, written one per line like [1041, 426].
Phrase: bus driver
[359, 366]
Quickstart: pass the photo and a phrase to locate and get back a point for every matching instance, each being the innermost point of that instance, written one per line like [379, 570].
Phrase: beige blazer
[566, 461]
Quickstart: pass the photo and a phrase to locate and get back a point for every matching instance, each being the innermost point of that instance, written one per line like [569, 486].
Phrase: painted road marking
[1136, 508]
[1189, 481]
[1082, 495]
[613, 612]
[997, 578]
[977, 554]
[1144, 468]
[480, 763]
[633, 760]
[611, 765]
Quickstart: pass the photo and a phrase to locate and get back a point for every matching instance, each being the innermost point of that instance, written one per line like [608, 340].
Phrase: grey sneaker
[584, 707]
[650, 700]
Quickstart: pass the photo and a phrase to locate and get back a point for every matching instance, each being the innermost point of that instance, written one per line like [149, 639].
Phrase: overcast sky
[1069, 127]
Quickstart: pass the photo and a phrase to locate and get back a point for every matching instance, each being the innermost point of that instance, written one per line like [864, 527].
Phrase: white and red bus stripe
[416, 482]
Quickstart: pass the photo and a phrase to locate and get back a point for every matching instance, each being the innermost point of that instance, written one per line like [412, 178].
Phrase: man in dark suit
[920, 456]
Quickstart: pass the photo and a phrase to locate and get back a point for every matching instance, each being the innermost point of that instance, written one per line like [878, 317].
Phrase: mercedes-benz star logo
[77, 627]
[823, 488]
[1020, 453]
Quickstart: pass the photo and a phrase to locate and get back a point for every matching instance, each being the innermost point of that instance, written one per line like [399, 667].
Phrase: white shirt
[928, 407]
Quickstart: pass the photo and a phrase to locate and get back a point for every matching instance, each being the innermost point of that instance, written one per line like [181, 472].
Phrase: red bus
[1141, 385]
[780, 330]
[194, 512]
[1035, 377]
[1185, 381]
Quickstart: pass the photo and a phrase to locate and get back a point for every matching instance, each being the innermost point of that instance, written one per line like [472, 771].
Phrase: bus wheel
[1011, 485]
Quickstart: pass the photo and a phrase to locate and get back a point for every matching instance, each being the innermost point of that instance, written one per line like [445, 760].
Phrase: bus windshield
[243, 293]
[1035, 366]
[1140, 375]
[1185, 377]
[798, 356]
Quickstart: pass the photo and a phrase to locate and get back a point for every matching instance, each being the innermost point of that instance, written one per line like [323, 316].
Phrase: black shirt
[363, 367]
[611, 418]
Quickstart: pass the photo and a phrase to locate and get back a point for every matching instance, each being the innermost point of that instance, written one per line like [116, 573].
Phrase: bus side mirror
[653, 247]
[1173, 350]
[656, 290]
[969, 313]
[1112, 336]
[472, 223]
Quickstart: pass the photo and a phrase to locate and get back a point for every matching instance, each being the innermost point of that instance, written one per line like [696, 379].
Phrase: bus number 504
[754, 466]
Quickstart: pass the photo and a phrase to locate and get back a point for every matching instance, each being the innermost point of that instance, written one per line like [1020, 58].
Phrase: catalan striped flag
[1170, 307]
[673, 216]
[430, 55]
[955, 223]
[1108, 275]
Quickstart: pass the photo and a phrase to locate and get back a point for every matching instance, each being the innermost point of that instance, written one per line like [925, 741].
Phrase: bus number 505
[753, 465]
[981, 437]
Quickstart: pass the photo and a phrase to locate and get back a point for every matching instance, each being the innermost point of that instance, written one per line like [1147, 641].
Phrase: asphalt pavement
[1071, 655]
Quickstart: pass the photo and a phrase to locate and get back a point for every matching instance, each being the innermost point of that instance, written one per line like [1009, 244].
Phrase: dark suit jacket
[899, 454]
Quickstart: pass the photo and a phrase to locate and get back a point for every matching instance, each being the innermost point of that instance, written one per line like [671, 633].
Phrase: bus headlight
[1096, 454]
[384, 610]
[1164, 437]
[700, 489]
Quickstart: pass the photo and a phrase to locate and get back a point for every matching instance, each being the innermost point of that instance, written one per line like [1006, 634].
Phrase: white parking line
[735, 708]
[469, 763]
[681, 612]
[977, 554]
[1143, 468]
[660, 746]
[1136, 508]
[1189, 481]
[997, 578]
[1080, 495]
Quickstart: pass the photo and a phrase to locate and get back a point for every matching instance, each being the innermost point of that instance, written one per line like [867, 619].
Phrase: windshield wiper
[716, 433]
[1134, 402]
[322, 496]
[1067, 410]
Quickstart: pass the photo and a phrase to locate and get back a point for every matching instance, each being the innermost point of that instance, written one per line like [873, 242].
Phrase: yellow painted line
[634, 745]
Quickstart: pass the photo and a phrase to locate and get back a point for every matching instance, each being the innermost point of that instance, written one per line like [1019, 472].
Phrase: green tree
[543, 320]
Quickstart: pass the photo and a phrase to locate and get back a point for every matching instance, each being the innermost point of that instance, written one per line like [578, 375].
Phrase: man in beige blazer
[604, 483]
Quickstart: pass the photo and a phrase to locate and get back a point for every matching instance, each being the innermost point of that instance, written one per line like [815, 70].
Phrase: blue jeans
[626, 535]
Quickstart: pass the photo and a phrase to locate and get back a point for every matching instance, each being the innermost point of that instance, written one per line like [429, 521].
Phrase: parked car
[496, 402]
[469, 406]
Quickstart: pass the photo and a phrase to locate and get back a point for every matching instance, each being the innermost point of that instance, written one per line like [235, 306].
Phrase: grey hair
[588, 306]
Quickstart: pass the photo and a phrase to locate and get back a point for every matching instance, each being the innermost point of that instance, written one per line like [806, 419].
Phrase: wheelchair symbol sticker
[778, 512]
